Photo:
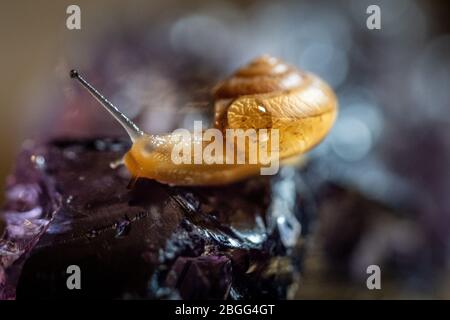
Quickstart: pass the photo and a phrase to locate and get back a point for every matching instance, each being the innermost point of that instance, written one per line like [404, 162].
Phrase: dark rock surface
[67, 206]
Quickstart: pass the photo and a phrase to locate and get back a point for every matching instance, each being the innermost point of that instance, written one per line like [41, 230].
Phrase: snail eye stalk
[131, 128]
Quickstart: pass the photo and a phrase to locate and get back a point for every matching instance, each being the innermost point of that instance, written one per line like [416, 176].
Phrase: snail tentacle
[131, 128]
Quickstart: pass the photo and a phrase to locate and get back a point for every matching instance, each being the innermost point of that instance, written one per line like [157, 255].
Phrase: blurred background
[381, 178]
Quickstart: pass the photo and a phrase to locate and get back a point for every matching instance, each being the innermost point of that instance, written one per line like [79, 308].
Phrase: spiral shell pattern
[263, 75]
[268, 93]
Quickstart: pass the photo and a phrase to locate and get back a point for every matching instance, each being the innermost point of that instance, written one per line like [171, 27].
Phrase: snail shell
[268, 93]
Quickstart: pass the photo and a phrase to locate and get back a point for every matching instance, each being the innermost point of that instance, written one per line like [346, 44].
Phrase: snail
[286, 111]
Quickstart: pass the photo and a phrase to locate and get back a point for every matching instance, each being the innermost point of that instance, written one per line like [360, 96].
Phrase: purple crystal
[153, 241]
[204, 277]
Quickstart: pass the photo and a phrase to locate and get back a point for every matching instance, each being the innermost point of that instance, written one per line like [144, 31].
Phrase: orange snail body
[266, 94]
[284, 111]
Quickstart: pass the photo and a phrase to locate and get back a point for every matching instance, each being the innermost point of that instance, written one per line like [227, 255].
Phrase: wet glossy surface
[133, 243]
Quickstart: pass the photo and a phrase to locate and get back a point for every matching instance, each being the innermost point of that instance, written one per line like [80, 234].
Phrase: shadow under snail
[266, 96]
